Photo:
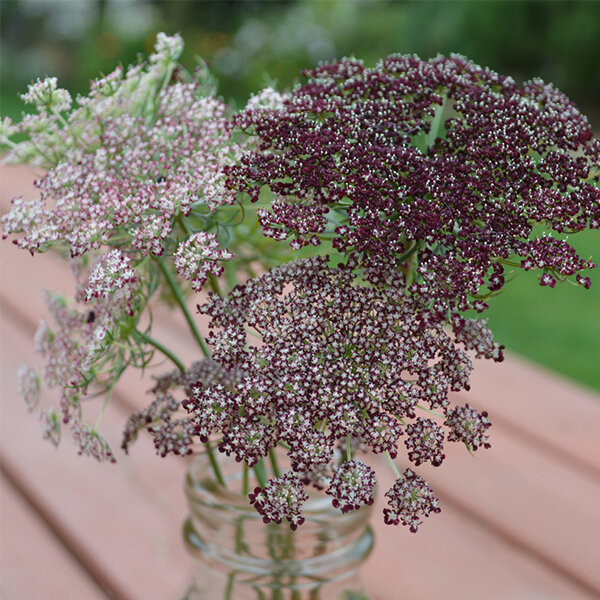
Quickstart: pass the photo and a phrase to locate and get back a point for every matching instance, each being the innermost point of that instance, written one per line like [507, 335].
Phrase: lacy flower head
[440, 167]
[83, 348]
[336, 360]
[144, 149]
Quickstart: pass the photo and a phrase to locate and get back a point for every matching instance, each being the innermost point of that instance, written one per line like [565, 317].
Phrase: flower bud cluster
[469, 426]
[281, 498]
[352, 486]
[410, 499]
[171, 430]
[45, 93]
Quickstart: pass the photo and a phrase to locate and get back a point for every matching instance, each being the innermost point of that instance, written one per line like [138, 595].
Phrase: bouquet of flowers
[349, 233]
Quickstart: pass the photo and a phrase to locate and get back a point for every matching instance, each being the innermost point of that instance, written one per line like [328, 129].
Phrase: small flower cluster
[46, 93]
[112, 281]
[338, 360]
[171, 431]
[352, 485]
[78, 348]
[441, 159]
[410, 499]
[198, 256]
[468, 426]
[89, 442]
[281, 498]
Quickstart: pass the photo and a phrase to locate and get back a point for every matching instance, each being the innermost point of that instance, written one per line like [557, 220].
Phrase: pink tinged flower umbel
[199, 256]
[45, 93]
[134, 155]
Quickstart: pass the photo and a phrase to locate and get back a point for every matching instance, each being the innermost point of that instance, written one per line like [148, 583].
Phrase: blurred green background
[251, 43]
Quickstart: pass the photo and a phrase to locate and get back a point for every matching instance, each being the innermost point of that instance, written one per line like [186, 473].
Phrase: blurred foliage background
[251, 43]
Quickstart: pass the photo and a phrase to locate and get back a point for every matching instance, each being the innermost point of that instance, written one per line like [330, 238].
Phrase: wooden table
[520, 521]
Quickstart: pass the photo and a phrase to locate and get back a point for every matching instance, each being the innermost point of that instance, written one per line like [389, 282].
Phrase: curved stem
[393, 465]
[107, 399]
[163, 349]
[184, 309]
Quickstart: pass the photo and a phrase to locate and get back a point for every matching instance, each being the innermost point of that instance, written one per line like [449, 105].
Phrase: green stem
[184, 309]
[274, 465]
[259, 471]
[161, 348]
[245, 480]
[408, 253]
[431, 412]
[214, 284]
[229, 587]
[214, 464]
[393, 465]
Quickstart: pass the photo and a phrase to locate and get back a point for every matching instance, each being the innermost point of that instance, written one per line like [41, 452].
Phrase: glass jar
[238, 557]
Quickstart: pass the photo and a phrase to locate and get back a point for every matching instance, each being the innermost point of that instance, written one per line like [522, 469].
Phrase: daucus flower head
[198, 256]
[167, 48]
[339, 359]
[409, 500]
[112, 273]
[425, 441]
[45, 93]
[469, 426]
[268, 98]
[50, 425]
[352, 485]
[28, 385]
[282, 498]
[141, 150]
[89, 442]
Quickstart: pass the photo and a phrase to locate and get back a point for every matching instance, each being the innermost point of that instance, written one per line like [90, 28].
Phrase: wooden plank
[454, 556]
[33, 563]
[542, 408]
[123, 521]
[535, 502]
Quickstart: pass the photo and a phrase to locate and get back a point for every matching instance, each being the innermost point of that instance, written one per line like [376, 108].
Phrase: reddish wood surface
[519, 521]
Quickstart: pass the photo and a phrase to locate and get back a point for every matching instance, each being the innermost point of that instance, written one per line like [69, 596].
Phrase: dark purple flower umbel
[440, 167]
